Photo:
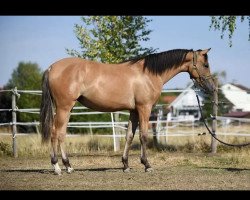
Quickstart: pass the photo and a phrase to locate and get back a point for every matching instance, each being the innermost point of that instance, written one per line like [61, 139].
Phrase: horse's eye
[206, 65]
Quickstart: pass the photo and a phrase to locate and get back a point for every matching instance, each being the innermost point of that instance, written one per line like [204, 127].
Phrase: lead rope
[213, 134]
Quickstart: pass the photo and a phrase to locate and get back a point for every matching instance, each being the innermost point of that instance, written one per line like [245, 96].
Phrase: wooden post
[215, 112]
[14, 129]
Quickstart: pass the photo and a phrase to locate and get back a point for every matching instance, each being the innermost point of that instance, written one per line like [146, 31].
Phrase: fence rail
[163, 127]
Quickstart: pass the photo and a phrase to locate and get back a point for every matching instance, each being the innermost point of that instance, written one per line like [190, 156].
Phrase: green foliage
[27, 76]
[105, 117]
[227, 23]
[5, 149]
[111, 39]
[5, 103]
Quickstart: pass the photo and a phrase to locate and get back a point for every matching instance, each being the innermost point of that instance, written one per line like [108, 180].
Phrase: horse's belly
[105, 104]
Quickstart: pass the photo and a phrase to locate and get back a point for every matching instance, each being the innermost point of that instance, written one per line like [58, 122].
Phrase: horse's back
[75, 64]
[61, 64]
[72, 69]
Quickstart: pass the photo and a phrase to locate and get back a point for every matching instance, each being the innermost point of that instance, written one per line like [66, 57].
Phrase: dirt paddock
[172, 171]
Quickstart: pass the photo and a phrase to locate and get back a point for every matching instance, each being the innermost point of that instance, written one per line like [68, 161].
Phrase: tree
[109, 39]
[112, 39]
[227, 23]
[27, 76]
[5, 103]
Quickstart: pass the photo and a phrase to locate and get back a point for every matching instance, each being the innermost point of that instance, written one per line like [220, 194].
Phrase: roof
[238, 114]
[169, 99]
[241, 87]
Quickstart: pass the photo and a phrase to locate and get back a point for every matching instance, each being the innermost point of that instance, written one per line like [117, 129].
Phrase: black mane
[157, 63]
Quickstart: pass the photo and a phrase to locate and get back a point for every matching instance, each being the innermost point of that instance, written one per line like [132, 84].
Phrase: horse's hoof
[126, 170]
[149, 169]
[57, 169]
[69, 170]
[58, 172]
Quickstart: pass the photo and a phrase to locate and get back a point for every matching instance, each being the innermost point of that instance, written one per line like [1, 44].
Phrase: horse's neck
[169, 74]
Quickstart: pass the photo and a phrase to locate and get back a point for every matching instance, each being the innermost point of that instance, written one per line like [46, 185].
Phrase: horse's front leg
[144, 114]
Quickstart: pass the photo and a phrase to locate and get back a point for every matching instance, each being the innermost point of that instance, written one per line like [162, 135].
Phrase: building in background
[239, 96]
[185, 106]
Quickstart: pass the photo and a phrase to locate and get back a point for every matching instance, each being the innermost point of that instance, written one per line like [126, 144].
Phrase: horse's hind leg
[58, 137]
[132, 125]
[144, 113]
[65, 159]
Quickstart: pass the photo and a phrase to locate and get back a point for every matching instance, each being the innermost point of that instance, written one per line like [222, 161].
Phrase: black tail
[46, 109]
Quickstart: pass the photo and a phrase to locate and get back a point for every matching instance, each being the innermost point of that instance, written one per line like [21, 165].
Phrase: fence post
[115, 140]
[166, 132]
[14, 129]
[215, 112]
[91, 132]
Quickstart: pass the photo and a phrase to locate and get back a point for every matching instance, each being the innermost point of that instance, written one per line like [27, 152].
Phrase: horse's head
[199, 71]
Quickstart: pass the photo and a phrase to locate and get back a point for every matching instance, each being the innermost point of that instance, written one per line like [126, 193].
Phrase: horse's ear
[203, 52]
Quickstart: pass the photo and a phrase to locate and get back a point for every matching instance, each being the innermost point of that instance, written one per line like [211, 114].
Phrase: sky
[43, 40]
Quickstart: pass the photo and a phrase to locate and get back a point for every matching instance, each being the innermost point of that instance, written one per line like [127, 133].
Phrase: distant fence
[162, 127]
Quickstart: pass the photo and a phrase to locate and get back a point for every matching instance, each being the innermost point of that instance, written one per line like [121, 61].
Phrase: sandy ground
[172, 171]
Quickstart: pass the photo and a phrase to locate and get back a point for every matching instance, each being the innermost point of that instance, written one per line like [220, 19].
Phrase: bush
[5, 149]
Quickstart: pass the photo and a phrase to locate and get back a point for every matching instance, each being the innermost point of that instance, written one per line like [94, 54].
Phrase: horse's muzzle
[208, 86]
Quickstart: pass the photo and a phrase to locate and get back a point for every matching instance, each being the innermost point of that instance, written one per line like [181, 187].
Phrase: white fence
[165, 128]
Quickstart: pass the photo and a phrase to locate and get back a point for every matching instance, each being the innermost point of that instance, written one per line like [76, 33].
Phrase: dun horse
[133, 85]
